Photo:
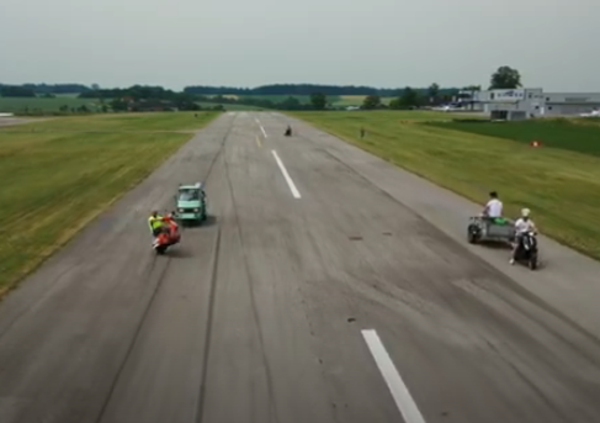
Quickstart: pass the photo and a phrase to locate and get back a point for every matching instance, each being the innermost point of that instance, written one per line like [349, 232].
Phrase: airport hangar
[527, 103]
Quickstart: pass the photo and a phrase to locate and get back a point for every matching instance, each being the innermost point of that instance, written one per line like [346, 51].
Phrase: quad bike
[167, 237]
[288, 132]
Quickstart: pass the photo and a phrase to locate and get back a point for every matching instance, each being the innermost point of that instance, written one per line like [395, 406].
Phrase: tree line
[298, 90]
[140, 98]
[35, 90]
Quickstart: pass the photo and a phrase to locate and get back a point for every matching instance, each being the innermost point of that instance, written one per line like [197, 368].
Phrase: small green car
[191, 203]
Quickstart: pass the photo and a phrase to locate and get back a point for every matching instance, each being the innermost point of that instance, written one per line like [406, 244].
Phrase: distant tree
[433, 92]
[472, 88]
[290, 103]
[95, 87]
[118, 105]
[371, 102]
[505, 78]
[409, 98]
[318, 101]
[16, 91]
[395, 104]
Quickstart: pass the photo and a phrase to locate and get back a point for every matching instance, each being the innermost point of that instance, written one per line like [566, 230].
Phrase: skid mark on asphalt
[209, 327]
[264, 358]
[154, 295]
[138, 330]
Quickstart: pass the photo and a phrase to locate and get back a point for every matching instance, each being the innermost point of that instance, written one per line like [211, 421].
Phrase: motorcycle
[288, 132]
[527, 250]
[168, 237]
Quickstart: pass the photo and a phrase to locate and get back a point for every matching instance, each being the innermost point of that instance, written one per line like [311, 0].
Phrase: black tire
[472, 237]
[533, 262]
[160, 250]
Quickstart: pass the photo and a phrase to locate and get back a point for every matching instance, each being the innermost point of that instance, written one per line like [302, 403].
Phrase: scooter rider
[523, 225]
[155, 222]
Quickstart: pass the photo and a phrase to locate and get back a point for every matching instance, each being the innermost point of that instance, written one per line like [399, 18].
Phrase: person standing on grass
[362, 132]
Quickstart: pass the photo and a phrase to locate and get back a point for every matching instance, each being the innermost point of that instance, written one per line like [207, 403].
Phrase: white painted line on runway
[404, 401]
[261, 128]
[289, 181]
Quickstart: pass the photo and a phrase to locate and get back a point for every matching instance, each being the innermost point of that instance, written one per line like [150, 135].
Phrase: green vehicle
[191, 203]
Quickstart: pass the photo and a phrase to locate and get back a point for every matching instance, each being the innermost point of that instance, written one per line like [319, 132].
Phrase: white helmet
[525, 212]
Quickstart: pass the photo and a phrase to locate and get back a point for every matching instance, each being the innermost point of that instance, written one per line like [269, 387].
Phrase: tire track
[159, 284]
[201, 403]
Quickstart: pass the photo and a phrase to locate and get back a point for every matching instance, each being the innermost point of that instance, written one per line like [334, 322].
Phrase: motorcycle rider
[155, 222]
[523, 225]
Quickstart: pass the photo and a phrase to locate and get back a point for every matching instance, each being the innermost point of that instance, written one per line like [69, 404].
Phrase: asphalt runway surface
[327, 286]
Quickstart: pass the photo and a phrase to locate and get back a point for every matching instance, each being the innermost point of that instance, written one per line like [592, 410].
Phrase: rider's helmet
[525, 213]
[154, 213]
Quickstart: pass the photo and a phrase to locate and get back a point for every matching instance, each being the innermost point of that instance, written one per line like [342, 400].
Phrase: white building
[526, 103]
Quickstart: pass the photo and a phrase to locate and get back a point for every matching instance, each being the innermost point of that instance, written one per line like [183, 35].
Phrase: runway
[327, 286]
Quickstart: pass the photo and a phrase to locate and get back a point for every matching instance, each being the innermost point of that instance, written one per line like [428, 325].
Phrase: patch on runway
[387, 233]
[355, 238]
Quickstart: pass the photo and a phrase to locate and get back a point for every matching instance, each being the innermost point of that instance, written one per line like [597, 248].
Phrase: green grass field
[230, 107]
[22, 105]
[336, 101]
[168, 121]
[356, 100]
[561, 187]
[578, 135]
[56, 181]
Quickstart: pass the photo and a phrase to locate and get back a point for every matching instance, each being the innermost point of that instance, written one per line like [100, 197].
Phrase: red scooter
[169, 235]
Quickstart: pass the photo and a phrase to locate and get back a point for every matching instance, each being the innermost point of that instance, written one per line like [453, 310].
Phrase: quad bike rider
[288, 131]
[525, 248]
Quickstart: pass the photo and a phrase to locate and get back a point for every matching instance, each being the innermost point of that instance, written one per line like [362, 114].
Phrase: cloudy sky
[555, 44]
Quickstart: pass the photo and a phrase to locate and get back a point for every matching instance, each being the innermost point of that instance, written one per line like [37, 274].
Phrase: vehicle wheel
[472, 237]
[160, 250]
[533, 262]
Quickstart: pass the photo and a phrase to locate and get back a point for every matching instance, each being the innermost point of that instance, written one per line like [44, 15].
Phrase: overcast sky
[555, 44]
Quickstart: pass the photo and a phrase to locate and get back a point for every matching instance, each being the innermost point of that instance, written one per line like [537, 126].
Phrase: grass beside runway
[561, 187]
[167, 121]
[30, 104]
[580, 135]
[55, 181]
